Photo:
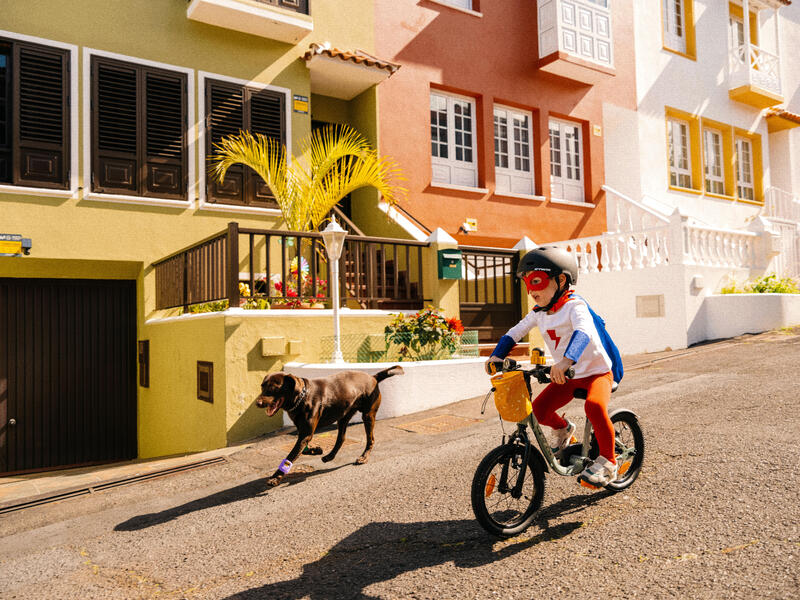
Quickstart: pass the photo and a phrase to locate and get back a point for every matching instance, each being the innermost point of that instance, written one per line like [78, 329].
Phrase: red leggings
[554, 396]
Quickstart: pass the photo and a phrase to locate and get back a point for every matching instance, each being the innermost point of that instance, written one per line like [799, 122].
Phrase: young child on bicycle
[572, 338]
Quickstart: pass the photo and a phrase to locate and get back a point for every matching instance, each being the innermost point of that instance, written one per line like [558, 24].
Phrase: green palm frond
[335, 161]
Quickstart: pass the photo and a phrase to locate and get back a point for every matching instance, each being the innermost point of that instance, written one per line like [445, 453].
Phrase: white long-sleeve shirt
[557, 330]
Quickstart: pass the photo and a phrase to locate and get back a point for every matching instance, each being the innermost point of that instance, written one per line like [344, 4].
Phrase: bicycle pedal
[623, 468]
[573, 440]
[588, 485]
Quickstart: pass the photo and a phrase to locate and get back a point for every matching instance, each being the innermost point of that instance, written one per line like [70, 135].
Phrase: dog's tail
[395, 370]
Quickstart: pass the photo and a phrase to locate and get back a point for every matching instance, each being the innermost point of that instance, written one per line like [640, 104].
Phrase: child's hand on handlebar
[557, 371]
[497, 367]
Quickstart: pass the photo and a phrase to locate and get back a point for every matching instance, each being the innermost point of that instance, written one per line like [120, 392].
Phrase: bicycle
[504, 499]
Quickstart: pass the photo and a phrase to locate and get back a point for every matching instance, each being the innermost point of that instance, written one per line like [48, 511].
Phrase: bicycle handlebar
[540, 372]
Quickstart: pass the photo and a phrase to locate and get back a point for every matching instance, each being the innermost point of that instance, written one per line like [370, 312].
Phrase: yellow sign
[300, 104]
[8, 247]
[473, 224]
[597, 130]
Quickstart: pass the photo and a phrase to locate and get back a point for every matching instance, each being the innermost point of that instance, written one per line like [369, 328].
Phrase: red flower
[291, 294]
[455, 325]
[278, 286]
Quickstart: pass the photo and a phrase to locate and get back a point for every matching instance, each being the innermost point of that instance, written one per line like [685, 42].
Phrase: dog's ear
[289, 385]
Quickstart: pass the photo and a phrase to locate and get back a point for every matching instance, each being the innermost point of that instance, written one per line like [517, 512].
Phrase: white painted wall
[425, 384]
[735, 314]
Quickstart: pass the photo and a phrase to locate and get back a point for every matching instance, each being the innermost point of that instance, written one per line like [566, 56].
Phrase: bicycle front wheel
[502, 504]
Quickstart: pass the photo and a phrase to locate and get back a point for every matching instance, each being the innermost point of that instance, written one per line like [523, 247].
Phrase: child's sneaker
[600, 473]
[562, 437]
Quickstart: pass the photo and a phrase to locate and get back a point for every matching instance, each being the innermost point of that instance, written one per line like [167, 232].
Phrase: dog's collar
[301, 396]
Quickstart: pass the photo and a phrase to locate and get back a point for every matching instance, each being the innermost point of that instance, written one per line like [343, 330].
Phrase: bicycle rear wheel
[493, 499]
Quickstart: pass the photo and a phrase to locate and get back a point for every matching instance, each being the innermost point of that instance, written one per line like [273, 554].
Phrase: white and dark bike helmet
[550, 262]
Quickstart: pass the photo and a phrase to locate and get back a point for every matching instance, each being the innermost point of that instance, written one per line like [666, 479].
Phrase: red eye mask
[536, 281]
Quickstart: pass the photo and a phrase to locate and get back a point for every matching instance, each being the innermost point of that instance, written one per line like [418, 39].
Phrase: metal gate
[67, 373]
[489, 292]
[787, 263]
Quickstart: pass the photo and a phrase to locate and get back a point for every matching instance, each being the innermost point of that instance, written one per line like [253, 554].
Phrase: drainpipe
[746, 22]
[778, 49]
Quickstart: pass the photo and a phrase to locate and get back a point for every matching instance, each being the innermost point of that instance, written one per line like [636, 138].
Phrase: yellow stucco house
[108, 111]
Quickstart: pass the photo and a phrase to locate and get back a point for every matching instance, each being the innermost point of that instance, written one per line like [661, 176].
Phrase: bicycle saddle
[581, 393]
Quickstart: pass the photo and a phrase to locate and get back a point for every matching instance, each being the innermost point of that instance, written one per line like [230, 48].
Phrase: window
[712, 156]
[231, 108]
[453, 156]
[566, 162]
[466, 4]
[34, 115]
[680, 173]
[512, 151]
[138, 130]
[744, 169]
[674, 33]
[678, 26]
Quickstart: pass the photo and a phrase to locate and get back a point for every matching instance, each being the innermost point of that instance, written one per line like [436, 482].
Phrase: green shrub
[768, 284]
[425, 335]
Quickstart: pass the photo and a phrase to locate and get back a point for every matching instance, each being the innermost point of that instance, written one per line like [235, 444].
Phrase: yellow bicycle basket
[511, 396]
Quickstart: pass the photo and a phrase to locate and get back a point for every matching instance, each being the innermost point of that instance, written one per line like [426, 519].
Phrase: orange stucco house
[496, 114]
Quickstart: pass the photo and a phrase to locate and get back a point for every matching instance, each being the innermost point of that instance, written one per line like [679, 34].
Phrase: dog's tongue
[275, 408]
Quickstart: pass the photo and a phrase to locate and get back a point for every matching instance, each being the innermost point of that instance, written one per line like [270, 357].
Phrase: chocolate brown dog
[319, 402]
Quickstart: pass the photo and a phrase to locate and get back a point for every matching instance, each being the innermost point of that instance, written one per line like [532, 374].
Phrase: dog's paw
[361, 460]
[273, 481]
[312, 450]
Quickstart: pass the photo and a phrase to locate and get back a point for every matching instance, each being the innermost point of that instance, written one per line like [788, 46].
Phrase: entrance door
[67, 373]
[490, 294]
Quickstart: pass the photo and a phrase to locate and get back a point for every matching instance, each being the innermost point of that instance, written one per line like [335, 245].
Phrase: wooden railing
[290, 268]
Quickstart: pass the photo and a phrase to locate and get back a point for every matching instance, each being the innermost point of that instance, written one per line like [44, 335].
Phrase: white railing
[626, 214]
[672, 243]
[713, 247]
[751, 64]
[780, 204]
[620, 251]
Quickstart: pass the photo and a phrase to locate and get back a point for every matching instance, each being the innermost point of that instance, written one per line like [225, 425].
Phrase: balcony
[283, 20]
[575, 39]
[342, 74]
[755, 76]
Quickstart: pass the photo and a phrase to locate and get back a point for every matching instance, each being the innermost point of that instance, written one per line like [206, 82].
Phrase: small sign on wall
[597, 130]
[300, 104]
[650, 306]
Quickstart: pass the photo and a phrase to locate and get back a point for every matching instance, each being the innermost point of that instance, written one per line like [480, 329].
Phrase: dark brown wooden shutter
[40, 150]
[224, 117]
[114, 127]
[6, 56]
[266, 110]
[165, 124]
[300, 6]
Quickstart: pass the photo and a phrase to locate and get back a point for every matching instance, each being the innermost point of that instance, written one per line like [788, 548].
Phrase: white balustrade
[708, 246]
[626, 214]
[761, 68]
[780, 204]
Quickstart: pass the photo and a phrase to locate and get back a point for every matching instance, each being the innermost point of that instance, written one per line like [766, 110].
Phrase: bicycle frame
[577, 461]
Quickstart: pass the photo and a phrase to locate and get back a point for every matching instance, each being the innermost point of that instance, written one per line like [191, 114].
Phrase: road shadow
[251, 489]
[383, 551]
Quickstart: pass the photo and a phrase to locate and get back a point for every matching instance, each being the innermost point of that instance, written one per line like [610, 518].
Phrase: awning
[343, 74]
[779, 119]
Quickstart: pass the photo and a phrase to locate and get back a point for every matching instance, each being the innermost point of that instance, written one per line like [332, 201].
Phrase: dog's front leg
[286, 465]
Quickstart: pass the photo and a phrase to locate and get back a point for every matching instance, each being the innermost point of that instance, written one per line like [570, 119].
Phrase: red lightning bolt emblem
[553, 336]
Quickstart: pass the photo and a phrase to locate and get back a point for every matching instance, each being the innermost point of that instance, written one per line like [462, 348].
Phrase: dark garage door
[67, 373]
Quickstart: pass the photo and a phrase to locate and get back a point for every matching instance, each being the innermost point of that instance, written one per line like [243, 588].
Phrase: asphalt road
[714, 514]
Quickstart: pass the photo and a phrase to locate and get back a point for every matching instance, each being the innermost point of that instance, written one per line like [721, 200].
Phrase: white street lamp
[333, 236]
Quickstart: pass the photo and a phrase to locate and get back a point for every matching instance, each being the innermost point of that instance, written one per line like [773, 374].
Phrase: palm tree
[335, 161]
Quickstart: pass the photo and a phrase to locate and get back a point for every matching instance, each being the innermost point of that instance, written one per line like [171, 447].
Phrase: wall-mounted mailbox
[449, 264]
